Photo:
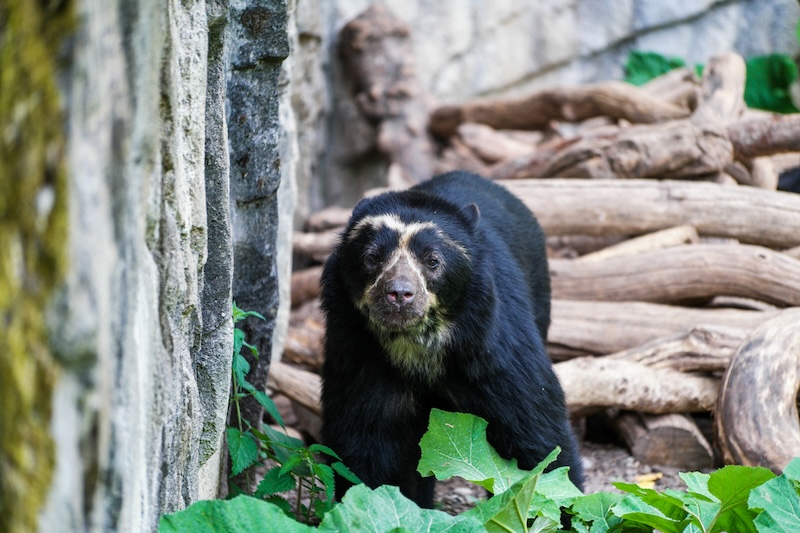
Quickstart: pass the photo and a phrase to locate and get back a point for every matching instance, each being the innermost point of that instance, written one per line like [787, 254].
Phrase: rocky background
[154, 157]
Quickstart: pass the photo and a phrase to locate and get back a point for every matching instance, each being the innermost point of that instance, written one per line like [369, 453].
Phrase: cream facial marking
[405, 231]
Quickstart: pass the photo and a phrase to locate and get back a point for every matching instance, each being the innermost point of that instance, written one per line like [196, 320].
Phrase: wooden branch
[680, 273]
[634, 207]
[722, 97]
[492, 145]
[607, 327]
[316, 246]
[766, 136]
[652, 241]
[299, 385]
[700, 349]
[376, 48]
[305, 285]
[671, 440]
[614, 99]
[633, 386]
[757, 419]
[304, 344]
[327, 219]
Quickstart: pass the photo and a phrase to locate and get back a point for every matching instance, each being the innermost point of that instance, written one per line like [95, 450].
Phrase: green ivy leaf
[274, 482]
[455, 445]
[384, 509]
[242, 448]
[779, 503]
[239, 515]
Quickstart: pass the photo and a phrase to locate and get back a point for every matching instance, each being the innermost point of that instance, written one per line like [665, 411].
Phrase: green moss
[33, 231]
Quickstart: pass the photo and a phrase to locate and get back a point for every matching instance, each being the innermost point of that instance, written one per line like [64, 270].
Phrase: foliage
[734, 498]
[297, 467]
[767, 85]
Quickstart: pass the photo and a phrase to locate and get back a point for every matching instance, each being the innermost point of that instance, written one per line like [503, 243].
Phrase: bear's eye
[372, 259]
[432, 262]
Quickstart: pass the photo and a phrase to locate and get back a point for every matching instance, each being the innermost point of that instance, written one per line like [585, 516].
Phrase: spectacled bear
[439, 296]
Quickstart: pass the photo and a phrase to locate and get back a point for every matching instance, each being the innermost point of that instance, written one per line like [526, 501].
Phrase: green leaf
[295, 464]
[322, 449]
[240, 369]
[731, 485]
[557, 486]
[779, 503]
[455, 445]
[269, 406]
[792, 470]
[384, 509]
[345, 472]
[595, 509]
[325, 475]
[243, 450]
[274, 482]
[239, 515]
[642, 67]
[239, 315]
[768, 83]
[633, 509]
[281, 445]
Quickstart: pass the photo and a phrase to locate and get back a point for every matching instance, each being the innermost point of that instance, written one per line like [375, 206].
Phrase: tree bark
[680, 273]
[646, 243]
[757, 419]
[299, 385]
[634, 207]
[671, 440]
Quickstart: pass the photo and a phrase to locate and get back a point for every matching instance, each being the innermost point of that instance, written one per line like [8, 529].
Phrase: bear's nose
[399, 291]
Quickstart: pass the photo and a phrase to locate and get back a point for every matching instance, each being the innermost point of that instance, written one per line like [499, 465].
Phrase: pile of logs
[675, 262]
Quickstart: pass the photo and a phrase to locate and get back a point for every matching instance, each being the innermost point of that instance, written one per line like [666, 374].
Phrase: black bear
[439, 296]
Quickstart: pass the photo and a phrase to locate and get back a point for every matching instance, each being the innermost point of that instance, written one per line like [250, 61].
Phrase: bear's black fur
[439, 296]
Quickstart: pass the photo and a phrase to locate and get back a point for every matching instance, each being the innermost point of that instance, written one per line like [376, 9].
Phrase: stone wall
[131, 121]
[489, 48]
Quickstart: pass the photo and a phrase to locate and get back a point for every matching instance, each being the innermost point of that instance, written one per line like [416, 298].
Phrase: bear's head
[407, 259]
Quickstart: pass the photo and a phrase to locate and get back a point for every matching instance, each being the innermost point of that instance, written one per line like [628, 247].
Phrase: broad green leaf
[792, 470]
[670, 506]
[595, 509]
[274, 482]
[242, 448]
[632, 508]
[544, 525]
[239, 315]
[779, 503]
[732, 485]
[321, 448]
[557, 486]
[508, 511]
[768, 80]
[242, 514]
[384, 509]
[455, 445]
[702, 512]
[697, 483]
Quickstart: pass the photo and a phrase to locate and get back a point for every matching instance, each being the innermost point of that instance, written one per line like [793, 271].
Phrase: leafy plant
[733, 498]
[296, 467]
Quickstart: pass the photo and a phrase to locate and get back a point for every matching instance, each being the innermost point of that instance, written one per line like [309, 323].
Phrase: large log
[593, 382]
[645, 243]
[671, 440]
[681, 273]
[756, 418]
[587, 327]
[301, 386]
[613, 99]
[634, 207]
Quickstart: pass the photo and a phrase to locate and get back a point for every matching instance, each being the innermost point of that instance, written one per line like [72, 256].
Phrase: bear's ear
[472, 214]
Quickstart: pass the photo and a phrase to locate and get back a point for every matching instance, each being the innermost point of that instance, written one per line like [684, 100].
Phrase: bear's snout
[399, 291]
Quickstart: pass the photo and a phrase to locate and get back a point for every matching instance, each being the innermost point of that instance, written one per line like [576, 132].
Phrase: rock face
[173, 155]
[490, 48]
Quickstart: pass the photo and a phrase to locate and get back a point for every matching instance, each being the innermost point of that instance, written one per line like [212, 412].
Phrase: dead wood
[635, 207]
[613, 99]
[376, 49]
[316, 246]
[587, 327]
[680, 273]
[328, 218]
[304, 344]
[492, 145]
[699, 349]
[671, 440]
[651, 241]
[767, 136]
[305, 285]
[298, 385]
[756, 419]
[632, 386]
[722, 97]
